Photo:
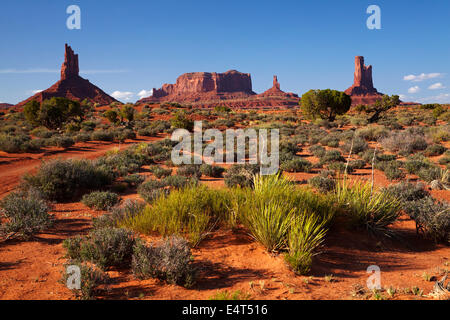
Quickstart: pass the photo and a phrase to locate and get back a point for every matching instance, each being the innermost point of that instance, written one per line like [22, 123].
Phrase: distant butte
[4, 106]
[362, 91]
[204, 86]
[276, 91]
[71, 85]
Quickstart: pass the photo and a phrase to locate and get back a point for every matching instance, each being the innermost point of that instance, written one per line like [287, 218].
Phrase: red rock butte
[204, 86]
[362, 91]
[71, 85]
[276, 91]
[232, 89]
[4, 106]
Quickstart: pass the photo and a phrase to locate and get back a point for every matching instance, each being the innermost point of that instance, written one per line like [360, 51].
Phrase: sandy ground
[227, 260]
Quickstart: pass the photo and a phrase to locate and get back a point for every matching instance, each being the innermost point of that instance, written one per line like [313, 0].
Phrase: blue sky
[129, 46]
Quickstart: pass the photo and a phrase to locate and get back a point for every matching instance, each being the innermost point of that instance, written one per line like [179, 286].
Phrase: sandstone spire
[362, 91]
[71, 85]
[363, 74]
[70, 67]
[276, 84]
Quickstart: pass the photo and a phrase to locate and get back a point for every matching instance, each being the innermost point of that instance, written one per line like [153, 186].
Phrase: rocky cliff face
[4, 106]
[362, 91]
[204, 86]
[71, 85]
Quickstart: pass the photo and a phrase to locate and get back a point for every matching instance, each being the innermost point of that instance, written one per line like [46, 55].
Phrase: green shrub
[434, 150]
[432, 218]
[91, 279]
[297, 164]
[26, 214]
[63, 179]
[357, 164]
[178, 182]
[372, 133]
[317, 151]
[393, 172]
[407, 191]
[340, 167]
[130, 209]
[190, 170]
[101, 135]
[101, 200]
[151, 190]
[17, 143]
[106, 248]
[170, 260]
[60, 141]
[405, 142]
[323, 184]
[180, 121]
[160, 172]
[212, 171]
[82, 137]
[366, 207]
[332, 156]
[415, 164]
[241, 175]
[429, 174]
[357, 145]
[134, 180]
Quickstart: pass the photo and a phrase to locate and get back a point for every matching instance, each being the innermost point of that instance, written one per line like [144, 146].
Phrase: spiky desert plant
[269, 224]
[306, 235]
[366, 207]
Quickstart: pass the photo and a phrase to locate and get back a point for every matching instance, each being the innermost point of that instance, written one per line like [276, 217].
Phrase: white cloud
[442, 98]
[402, 97]
[422, 77]
[414, 89]
[145, 93]
[35, 91]
[436, 86]
[122, 95]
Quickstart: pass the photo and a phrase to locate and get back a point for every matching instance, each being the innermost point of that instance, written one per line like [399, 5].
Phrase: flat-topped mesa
[362, 91]
[70, 68]
[203, 86]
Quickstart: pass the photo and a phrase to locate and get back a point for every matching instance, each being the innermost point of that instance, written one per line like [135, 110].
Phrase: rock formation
[70, 68]
[362, 91]
[4, 106]
[204, 86]
[276, 91]
[71, 85]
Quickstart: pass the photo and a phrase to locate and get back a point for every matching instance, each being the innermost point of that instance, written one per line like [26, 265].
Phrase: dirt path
[14, 166]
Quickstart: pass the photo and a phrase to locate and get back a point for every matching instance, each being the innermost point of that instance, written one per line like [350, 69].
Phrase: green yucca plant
[191, 212]
[306, 235]
[268, 212]
[269, 224]
[367, 207]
